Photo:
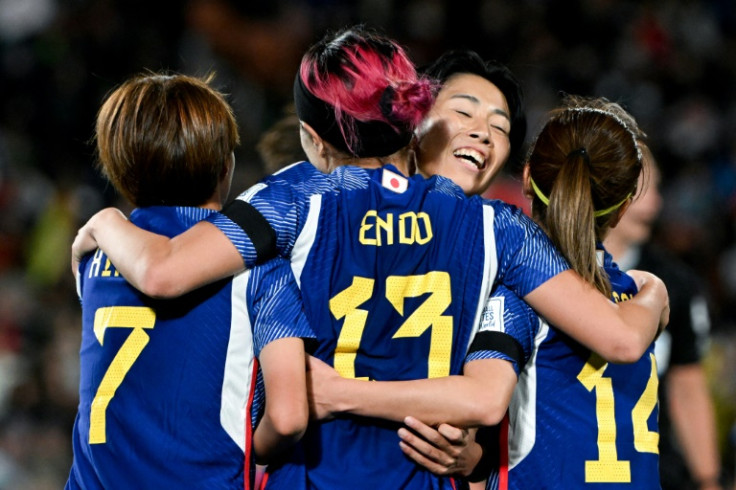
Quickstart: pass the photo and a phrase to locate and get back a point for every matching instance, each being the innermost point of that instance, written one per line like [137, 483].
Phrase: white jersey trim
[523, 406]
[490, 269]
[304, 241]
[237, 381]
[251, 191]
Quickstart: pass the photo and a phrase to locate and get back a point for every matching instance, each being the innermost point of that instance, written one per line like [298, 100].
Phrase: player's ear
[621, 211]
[317, 140]
[229, 167]
[526, 182]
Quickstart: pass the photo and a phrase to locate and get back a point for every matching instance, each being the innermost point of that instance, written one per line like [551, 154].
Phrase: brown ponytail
[583, 166]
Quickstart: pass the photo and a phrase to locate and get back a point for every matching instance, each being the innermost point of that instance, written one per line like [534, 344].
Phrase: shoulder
[508, 212]
[294, 171]
[511, 306]
[168, 220]
[351, 178]
[512, 225]
[288, 186]
[443, 185]
[623, 285]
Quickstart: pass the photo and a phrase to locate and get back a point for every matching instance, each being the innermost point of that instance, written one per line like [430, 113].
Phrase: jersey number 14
[608, 468]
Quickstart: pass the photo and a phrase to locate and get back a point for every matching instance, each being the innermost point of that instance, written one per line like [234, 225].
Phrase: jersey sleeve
[507, 330]
[526, 256]
[262, 222]
[277, 305]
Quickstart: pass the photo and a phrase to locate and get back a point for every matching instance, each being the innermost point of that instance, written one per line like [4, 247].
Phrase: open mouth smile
[472, 156]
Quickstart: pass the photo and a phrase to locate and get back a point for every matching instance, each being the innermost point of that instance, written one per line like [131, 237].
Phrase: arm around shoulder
[619, 333]
[156, 265]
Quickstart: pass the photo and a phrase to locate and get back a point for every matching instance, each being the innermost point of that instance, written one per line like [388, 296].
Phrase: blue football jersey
[168, 392]
[576, 421]
[394, 274]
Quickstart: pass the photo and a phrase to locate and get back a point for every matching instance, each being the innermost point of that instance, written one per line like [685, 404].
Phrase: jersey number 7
[137, 318]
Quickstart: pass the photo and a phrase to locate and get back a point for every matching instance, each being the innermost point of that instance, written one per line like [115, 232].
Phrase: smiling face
[465, 137]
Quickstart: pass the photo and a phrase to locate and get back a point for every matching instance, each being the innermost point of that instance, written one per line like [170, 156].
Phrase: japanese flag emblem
[393, 181]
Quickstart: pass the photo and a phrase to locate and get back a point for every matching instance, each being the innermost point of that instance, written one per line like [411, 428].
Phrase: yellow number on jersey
[137, 318]
[608, 468]
[345, 304]
[427, 315]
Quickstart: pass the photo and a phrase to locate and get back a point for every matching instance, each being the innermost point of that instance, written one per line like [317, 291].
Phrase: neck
[401, 160]
[219, 197]
[617, 246]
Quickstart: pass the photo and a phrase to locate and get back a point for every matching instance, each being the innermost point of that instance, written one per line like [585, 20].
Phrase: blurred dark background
[672, 63]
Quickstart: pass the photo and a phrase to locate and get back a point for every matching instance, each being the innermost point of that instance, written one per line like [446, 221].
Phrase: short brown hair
[165, 139]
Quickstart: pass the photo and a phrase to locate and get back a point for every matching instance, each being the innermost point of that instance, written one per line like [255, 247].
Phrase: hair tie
[613, 208]
[580, 152]
[539, 192]
[596, 214]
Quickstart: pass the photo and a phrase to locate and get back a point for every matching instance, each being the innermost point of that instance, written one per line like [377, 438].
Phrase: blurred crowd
[672, 63]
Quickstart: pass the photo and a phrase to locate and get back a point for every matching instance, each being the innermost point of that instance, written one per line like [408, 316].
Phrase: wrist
[337, 395]
[107, 216]
[104, 216]
[346, 395]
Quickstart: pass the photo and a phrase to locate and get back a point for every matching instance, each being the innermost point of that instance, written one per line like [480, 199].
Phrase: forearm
[692, 414]
[465, 401]
[638, 330]
[622, 331]
[648, 310]
[269, 442]
[163, 267]
[286, 413]
[122, 241]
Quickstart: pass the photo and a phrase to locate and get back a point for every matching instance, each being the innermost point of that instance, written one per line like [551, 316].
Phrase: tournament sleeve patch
[258, 229]
[492, 317]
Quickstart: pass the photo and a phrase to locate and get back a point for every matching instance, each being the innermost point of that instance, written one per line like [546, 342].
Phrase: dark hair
[369, 97]
[585, 163]
[465, 61]
[165, 139]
